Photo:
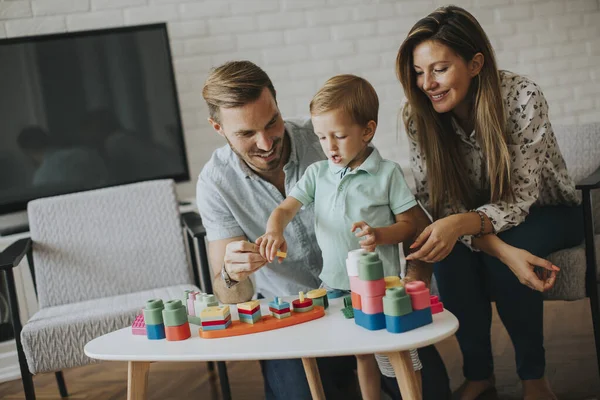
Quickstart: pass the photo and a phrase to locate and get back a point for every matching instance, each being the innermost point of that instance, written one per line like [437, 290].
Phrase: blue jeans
[468, 282]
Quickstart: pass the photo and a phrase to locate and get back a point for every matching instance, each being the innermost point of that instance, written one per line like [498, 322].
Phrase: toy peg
[281, 254]
[301, 297]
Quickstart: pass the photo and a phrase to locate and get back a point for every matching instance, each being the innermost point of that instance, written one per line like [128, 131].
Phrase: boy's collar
[370, 165]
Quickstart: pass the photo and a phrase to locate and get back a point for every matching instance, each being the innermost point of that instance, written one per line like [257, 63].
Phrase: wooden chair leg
[60, 381]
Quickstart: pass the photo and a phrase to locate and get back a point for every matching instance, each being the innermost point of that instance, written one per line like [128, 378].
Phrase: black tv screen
[86, 110]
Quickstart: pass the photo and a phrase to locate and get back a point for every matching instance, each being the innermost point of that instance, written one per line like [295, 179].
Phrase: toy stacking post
[319, 297]
[176, 322]
[279, 309]
[155, 327]
[249, 312]
[302, 305]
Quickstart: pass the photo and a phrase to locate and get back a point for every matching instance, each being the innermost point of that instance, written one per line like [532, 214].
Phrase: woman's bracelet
[482, 229]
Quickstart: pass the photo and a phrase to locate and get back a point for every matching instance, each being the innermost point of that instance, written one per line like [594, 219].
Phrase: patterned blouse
[539, 173]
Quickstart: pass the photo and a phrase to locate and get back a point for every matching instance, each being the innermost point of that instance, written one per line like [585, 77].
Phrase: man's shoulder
[219, 167]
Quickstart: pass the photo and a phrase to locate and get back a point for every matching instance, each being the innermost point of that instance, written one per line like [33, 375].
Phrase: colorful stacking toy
[249, 312]
[153, 318]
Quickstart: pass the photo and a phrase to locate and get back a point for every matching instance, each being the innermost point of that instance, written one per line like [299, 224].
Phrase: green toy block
[174, 313]
[348, 312]
[153, 312]
[186, 296]
[194, 320]
[348, 301]
[396, 302]
[370, 267]
[321, 301]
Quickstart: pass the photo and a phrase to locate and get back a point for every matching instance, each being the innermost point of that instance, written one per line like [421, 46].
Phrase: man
[237, 191]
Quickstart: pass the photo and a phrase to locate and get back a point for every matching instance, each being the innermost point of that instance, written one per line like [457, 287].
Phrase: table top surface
[331, 335]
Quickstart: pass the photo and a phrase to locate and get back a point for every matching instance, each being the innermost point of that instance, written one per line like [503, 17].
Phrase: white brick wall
[301, 43]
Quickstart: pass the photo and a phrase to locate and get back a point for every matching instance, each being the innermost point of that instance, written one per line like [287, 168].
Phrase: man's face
[255, 132]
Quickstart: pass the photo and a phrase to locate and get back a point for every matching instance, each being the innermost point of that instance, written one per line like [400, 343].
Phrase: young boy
[360, 199]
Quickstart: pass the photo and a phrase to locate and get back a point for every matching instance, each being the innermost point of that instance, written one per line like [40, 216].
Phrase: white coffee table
[331, 335]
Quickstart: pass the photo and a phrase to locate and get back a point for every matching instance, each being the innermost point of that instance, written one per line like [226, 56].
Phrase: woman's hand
[369, 243]
[523, 264]
[270, 243]
[436, 241]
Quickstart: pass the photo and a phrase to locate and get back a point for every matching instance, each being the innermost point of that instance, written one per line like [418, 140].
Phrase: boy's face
[255, 133]
[343, 141]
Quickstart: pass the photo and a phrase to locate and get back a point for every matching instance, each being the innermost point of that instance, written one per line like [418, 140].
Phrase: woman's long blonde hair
[447, 175]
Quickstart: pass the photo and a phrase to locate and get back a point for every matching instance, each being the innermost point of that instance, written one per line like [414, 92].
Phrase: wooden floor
[571, 368]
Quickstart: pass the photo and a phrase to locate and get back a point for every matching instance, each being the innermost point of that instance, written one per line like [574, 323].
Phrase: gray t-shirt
[234, 201]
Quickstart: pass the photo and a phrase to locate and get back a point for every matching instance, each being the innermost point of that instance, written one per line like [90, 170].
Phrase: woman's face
[442, 75]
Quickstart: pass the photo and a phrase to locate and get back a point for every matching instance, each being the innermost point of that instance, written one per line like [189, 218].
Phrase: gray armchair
[97, 256]
[579, 276]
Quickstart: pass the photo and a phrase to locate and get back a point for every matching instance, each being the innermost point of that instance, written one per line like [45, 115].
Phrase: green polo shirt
[374, 192]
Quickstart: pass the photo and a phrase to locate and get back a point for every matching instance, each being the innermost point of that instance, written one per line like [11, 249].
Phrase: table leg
[313, 378]
[408, 380]
[137, 380]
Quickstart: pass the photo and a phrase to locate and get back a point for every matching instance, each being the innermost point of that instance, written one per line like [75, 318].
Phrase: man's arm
[239, 293]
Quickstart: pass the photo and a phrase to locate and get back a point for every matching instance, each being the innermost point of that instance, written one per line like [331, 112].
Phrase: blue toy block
[408, 322]
[250, 318]
[372, 322]
[217, 327]
[155, 332]
[335, 293]
[279, 306]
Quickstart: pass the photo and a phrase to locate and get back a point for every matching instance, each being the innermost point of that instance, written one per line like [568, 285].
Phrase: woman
[489, 171]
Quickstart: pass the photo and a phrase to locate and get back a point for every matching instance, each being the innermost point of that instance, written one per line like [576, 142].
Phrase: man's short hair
[234, 84]
[353, 94]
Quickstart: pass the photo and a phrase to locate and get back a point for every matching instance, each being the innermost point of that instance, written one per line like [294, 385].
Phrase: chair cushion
[570, 284]
[54, 337]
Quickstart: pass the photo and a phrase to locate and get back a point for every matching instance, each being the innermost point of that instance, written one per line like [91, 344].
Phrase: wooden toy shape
[396, 302]
[282, 315]
[251, 312]
[176, 333]
[436, 305]
[153, 312]
[370, 267]
[302, 303]
[319, 297]
[220, 327]
[352, 261]
[139, 326]
[281, 254]
[248, 305]
[266, 323]
[155, 332]
[372, 322]
[367, 288]
[371, 305]
[174, 313]
[392, 281]
[279, 304]
[419, 295]
[280, 311]
[408, 322]
[215, 313]
[250, 319]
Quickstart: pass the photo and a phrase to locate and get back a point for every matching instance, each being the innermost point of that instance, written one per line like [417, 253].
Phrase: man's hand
[242, 258]
[369, 243]
[270, 243]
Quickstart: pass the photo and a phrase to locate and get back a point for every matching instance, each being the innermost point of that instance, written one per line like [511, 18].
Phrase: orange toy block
[267, 323]
[356, 300]
[371, 305]
[175, 333]
[419, 295]
[367, 288]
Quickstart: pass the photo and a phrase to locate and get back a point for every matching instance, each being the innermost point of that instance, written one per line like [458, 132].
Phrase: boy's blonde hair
[350, 93]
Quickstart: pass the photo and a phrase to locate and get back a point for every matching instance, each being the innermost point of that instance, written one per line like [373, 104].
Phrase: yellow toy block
[393, 281]
[281, 254]
[316, 293]
[249, 305]
[214, 313]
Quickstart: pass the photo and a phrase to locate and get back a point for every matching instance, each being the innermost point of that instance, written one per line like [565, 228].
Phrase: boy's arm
[283, 214]
[402, 230]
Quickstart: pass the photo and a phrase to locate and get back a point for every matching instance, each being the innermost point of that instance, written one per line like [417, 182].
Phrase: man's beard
[270, 165]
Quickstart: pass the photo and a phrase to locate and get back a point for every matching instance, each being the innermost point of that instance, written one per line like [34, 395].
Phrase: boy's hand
[270, 243]
[370, 235]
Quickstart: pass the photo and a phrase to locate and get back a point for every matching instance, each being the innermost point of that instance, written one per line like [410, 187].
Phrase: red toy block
[216, 322]
[367, 288]
[176, 333]
[419, 295]
[299, 303]
[436, 305]
[139, 326]
[371, 305]
[282, 311]
[356, 301]
[248, 312]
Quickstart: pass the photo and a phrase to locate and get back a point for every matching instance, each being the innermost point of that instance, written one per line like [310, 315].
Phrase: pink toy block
[436, 305]
[190, 303]
[419, 295]
[367, 288]
[139, 326]
[372, 305]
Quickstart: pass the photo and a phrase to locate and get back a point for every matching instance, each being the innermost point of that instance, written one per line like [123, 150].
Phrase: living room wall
[301, 43]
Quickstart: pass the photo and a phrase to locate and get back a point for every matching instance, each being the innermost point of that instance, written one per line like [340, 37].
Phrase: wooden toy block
[370, 267]
[436, 305]
[266, 323]
[215, 313]
[282, 315]
[155, 332]
[250, 319]
[139, 326]
[319, 297]
[372, 322]
[348, 300]
[249, 305]
[408, 322]
[396, 302]
[279, 304]
[216, 322]
[356, 301]
[352, 261]
[419, 295]
[392, 281]
[174, 313]
[176, 333]
[281, 254]
[336, 293]
[302, 302]
[371, 305]
[303, 309]
[251, 312]
[367, 288]
[220, 328]
[153, 312]
[192, 319]
[281, 311]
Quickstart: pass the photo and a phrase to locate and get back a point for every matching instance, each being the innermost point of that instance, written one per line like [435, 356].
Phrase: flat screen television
[86, 110]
